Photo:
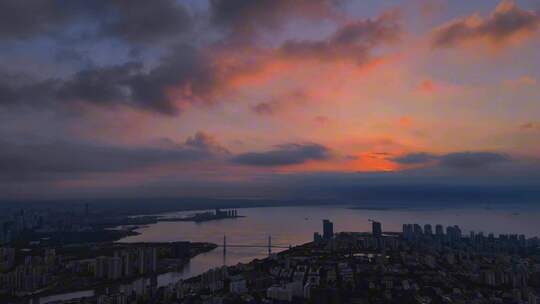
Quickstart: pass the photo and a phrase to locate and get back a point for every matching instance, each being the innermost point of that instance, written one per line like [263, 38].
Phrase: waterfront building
[376, 228]
[328, 229]
[417, 229]
[439, 230]
[427, 230]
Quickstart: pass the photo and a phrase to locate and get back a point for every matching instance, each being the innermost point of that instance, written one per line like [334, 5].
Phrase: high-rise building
[101, 267]
[141, 265]
[453, 233]
[114, 270]
[328, 229]
[439, 230]
[376, 229]
[417, 229]
[152, 259]
[127, 267]
[407, 232]
[428, 230]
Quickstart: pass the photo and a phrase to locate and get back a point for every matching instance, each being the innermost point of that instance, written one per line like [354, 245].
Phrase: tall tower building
[328, 230]
[439, 231]
[427, 229]
[376, 228]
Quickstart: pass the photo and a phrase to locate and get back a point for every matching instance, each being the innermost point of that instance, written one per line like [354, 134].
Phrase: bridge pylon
[224, 244]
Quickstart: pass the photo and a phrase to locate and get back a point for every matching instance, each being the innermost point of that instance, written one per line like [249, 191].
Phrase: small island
[218, 214]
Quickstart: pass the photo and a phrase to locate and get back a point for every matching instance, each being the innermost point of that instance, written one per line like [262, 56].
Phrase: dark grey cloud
[414, 158]
[127, 84]
[205, 142]
[68, 159]
[25, 19]
[507, 20]
[280, 101]
[146, 21]
[186, 74]
[354, 40]
[456, 160]
[101, 84]
[17, 91]
[136, 21]
[243, 18]
[472, 160]
[264, 108]
[284, 155]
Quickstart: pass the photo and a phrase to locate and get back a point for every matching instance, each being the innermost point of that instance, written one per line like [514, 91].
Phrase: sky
[170, 98]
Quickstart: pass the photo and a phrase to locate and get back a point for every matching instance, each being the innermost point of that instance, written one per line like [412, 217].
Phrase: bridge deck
[256, 246]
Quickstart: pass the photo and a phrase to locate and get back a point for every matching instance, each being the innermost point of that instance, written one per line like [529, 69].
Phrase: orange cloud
[427, 86]
[508, 23]
[358, 162]
[530, 126]
[523, 81]
[405, 121]
[236, 68]
[321, 119]
[429, 8]
[374, 161]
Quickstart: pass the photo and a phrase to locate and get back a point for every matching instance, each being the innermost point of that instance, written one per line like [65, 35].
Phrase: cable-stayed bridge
[269, 245]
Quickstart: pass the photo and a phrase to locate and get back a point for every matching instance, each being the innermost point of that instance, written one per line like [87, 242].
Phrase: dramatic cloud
[521, 82]
[146, 21]
[427, 86]
[507, 21]
[244, 17]
[353, 41]
[458, 160]
[321, 119]
[70, 158]
[284, 155]
[529, 126]
[187, 74]
[471, 160]
[139, 21]
[264, 108]
[280, 102]
[24, 19]
[205, 142]
[182, 77]
[414, 158]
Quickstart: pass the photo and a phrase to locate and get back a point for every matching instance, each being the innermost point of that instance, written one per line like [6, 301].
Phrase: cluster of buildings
[217, 214]
[12, 226]
[15, 224]
[117, 272]
[34, 273]
[328, 232]
[414, 233]
[126, 263]
[417, 265]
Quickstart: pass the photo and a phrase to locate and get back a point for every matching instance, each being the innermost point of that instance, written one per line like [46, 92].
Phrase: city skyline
[265, 98]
